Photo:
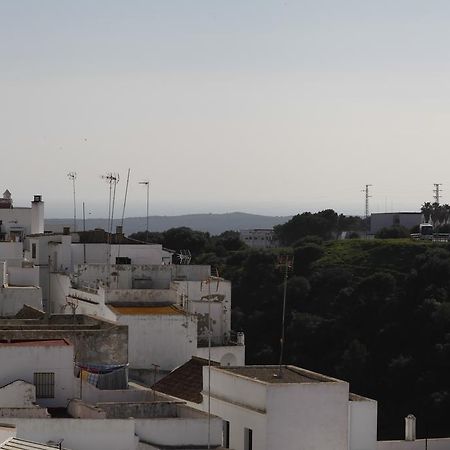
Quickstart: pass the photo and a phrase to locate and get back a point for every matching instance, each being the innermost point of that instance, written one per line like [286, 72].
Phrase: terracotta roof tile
[186, 381]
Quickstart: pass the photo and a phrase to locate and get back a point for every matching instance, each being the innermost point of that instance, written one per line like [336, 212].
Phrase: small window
[226, 434]
[45, 384]
[33, 251]
[248, 439]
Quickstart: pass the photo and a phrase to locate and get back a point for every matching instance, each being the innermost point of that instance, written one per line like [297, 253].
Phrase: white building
[259, 237]
[18, 222]
[167, 309]
[263, 411]
[46, 364]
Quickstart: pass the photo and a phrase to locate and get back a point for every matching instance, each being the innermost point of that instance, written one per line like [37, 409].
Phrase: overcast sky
[271, 107]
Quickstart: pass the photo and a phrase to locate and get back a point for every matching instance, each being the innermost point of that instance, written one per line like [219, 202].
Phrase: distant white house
[259, 237]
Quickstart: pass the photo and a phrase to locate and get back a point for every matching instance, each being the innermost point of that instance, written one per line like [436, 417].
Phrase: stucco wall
[166, 340]
[12, 299]
[23, 276]
[419, 444]
[307, 416]
[24, 361]
[363, 424]
[94, 342]
[227, 355]
[19, 394]
[80, 434]
[11, 251]
[183, 432]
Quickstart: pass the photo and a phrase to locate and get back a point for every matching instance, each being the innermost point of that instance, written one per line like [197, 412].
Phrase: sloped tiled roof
[186, 381]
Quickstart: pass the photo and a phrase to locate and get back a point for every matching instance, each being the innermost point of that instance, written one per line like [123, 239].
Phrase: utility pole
[285, 263]
[73, 176]
[146, 183]
[437, 192]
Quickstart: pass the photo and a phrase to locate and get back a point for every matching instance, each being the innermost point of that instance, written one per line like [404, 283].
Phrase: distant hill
[213, 223]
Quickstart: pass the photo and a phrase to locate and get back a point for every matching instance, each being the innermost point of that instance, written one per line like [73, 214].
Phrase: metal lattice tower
[366, 191]
[437, 192]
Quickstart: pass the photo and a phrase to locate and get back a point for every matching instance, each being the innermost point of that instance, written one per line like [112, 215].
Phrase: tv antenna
[146, 183]
[112, 179]
[285, 263]
[72, 177]
[184, 257]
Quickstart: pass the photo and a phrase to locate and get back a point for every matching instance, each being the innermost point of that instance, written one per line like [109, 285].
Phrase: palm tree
[426, 209]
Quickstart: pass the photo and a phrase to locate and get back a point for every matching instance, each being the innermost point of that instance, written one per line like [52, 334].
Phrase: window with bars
[45, 384]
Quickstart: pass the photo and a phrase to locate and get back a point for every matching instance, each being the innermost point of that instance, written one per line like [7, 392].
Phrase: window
[33, 251]
[226, 434]
[45, 384]
[248, 439]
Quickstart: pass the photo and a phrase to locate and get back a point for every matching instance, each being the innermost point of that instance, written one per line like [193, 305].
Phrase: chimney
[119, 230]
[410, 428]
[37, 215]
[66, 231]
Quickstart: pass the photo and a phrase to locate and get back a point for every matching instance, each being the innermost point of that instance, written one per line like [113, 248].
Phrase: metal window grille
[45, 384]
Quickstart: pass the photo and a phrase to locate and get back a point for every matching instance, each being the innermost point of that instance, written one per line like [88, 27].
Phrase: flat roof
[270, 374]
[35, 343]
[167, 310]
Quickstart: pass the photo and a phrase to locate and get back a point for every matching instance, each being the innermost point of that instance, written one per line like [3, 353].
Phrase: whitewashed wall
[18, 394]
[166, 340]
[419, 444]
[362, 424]
[24, 361]
[12, 299]
[80, 434]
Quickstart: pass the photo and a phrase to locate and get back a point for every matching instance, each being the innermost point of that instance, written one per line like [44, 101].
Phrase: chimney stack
[410, 428]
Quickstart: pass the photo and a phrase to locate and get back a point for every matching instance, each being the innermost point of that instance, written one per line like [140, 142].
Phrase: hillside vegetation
[375, 313]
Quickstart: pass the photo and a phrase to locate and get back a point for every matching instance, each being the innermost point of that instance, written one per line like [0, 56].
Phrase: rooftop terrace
[271, 374]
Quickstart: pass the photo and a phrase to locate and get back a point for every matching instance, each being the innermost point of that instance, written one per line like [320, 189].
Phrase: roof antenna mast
[73, 176]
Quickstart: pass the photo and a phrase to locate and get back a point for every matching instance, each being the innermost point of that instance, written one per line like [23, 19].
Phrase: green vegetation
[373, 312]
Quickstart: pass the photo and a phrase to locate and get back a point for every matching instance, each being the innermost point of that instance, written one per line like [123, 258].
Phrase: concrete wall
[80, 434]
[94, 342]
[18, 394]
[24, 361]
[12, 299]
[362, 424]
[419, 444]
[167, 340]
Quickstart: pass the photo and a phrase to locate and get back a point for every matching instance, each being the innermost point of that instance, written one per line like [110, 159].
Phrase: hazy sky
[262, 106]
